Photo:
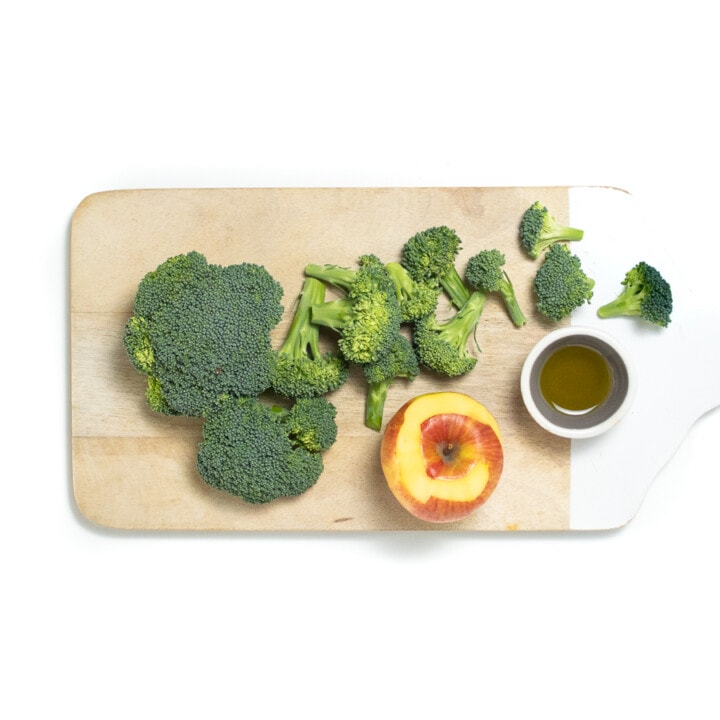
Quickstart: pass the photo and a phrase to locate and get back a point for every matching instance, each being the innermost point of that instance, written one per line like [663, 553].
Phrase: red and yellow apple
[442, 456]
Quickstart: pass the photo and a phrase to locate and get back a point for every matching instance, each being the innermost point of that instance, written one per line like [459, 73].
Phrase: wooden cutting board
[135, 469]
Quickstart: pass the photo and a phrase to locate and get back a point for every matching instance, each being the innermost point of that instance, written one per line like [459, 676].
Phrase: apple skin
[442, 456]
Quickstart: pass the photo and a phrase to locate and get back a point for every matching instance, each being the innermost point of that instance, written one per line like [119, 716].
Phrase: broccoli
[301, 369]
[417, 299]
[199, 331]
[646, 294]
[429, 257]
[539, 230]
[442, 346]
[262, 452]
[561, 284]
[485, 272]
[368, 317]
[400, 362]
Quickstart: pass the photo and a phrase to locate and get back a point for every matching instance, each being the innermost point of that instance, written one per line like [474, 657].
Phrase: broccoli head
[417, 299]
[429, 256]
[301, 368]
[442, 345]
[200, 331]
[485, 272]
[561, 284]
[400, 362]
[262, 452]
[368, 317]
[646, 294]
[539, 230]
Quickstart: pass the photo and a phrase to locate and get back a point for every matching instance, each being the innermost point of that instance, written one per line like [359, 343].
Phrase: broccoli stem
[302, 336]
[565, 232]
[404, 284]
[340, 277]
[457, 330]
[375, 403]
[507, 293]
[622, 305]
[334, 314]
[455, 287]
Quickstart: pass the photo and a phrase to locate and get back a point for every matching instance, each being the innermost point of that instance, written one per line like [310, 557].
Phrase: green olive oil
[575, 379]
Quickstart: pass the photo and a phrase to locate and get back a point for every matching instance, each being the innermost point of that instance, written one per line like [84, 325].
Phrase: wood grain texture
[135, 469]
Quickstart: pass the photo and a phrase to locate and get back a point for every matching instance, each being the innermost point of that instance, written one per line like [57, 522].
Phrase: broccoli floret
[368, 317]
[429, 257]
[400, 362]
[200, 331]
[539, 230]
[261, 452]
[310, 423]
[417, 299]
[485, 272]
[301, 368]
[442, 346]
[646, 294]
[561, 284]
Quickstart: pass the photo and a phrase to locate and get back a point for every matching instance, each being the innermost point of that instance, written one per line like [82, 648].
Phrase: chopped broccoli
[301, 368]
[310, 422]
[400, 362]
[539, 230]
[561, 284]
[417, 299]
[262, 452]
[368, 317]
[200, 331]
[646, 294]
[442, 346]
[429, 257]
[485, 272]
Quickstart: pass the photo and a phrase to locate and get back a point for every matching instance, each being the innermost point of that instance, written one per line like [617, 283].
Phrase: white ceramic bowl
[601, 418]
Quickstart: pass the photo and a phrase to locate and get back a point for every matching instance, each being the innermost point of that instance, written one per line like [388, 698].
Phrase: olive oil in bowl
[575, 379]
[577, 382]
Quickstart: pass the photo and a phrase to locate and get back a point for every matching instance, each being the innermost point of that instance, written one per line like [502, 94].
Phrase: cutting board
[135, 469]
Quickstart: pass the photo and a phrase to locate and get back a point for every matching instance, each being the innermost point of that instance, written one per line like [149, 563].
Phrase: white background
[101, 96]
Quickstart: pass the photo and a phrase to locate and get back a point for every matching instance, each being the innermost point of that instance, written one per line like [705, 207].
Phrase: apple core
[448, 443]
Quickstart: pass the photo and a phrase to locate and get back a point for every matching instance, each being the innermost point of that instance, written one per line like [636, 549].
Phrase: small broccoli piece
[442, 346]
[485, 272]
[539, 230]
[261, 452]
[561, 284]
[429, 257]
[199, 331]
[368, 317]
[417, 299]
[301, 368]
[310, 423]
[646, 294]
[400, 362]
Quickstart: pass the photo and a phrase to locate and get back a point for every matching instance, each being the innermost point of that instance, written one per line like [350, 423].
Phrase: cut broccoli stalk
[301, 368]
[400, 362]
[429, 257]
[336, 275]
[417, 299]
[485, 272]
[368, 318]
[442, 346]
[646, 294]
[539, 230]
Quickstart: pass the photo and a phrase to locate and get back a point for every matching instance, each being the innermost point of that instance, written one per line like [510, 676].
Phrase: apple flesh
[442, 456]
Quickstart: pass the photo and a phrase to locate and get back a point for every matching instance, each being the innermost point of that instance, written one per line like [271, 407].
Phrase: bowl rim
[537, 350]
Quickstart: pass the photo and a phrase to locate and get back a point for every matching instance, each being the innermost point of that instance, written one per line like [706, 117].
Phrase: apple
[442, 456]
